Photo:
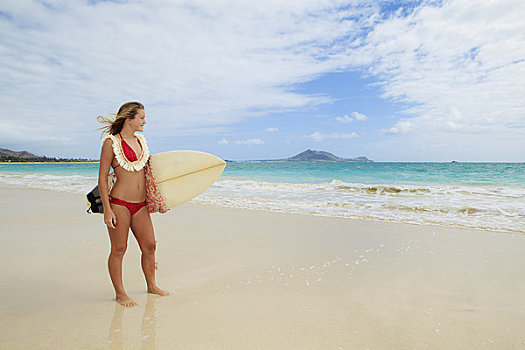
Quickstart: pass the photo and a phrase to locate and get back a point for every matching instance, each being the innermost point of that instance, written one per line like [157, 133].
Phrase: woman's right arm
[106, 157]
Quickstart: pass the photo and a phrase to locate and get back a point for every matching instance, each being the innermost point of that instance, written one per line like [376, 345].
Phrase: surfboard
[183, 175]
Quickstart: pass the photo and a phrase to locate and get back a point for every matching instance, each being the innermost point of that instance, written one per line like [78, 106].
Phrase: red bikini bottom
[132, 207]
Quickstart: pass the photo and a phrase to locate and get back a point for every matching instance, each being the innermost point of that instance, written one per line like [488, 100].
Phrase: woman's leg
[142, 228]
[119, 244]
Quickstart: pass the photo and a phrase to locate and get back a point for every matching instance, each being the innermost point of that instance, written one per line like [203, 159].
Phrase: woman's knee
[148, 247]
[119, 250]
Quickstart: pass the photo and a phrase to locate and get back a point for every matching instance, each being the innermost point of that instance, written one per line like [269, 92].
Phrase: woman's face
[137, 123]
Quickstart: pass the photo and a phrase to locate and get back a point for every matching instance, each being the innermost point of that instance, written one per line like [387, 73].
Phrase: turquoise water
[474, 174]
[50, 168]
[487, 196]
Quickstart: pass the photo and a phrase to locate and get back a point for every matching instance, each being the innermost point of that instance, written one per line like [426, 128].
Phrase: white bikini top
[136, 165]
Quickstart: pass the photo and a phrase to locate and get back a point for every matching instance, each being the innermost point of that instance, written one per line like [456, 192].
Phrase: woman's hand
[110, 219]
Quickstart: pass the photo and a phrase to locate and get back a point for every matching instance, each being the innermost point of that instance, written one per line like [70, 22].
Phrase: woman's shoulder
[109, 140]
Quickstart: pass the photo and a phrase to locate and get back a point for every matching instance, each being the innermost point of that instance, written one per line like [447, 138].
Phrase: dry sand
[244, 279]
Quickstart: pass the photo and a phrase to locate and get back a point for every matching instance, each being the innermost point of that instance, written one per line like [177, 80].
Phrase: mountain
[8, 153]
[322, 156]
[319, 156]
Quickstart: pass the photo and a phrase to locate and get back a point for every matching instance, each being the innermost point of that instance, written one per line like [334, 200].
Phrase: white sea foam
[489, 208]
[496, 208]
[54, 182]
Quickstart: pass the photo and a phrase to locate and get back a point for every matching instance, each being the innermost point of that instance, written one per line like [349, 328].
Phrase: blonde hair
[114, 125]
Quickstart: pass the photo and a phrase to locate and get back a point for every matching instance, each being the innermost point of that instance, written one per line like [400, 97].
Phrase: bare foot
[158, 291]
[126, 301]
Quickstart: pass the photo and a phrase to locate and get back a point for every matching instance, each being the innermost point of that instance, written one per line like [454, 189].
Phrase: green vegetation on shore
[8, 156]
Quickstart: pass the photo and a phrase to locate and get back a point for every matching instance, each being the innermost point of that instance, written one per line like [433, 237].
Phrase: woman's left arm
[106, 157]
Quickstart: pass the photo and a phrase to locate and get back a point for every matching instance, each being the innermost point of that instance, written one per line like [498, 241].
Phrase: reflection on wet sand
[115, 328]
[148, 326]
[149, 322]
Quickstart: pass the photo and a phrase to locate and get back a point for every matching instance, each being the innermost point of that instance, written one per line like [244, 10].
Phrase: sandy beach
[244, 279]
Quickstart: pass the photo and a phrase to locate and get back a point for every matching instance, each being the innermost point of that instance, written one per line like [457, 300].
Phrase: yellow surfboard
[183, 175]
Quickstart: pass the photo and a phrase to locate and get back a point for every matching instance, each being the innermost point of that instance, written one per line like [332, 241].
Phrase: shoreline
[277, 211]
[487, 197]
[249, 279]
[315, 161]
[378, 220]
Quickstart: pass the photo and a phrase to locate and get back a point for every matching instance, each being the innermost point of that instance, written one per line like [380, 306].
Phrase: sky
[389, 80]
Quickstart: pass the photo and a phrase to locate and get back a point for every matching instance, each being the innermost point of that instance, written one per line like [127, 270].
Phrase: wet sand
[244, 279]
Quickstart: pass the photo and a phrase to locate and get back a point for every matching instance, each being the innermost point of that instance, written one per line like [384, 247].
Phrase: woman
[125, 206]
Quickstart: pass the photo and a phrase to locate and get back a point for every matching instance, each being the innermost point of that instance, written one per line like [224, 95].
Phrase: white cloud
[317, 136]
[192, 63]
[346, 119]
[272, 129]
[460, 65]
[359, 116]
[356, 116]
[254, 141]
[399, 128]
[224, 142]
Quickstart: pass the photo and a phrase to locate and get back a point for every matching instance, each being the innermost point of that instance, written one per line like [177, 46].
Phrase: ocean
[487, 196]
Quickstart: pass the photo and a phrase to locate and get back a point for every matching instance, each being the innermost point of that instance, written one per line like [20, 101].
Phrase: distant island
[318, 156]
[7, 155]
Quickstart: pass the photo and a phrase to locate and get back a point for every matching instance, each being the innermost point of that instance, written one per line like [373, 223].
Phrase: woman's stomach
[130, 186]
